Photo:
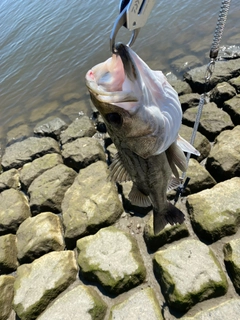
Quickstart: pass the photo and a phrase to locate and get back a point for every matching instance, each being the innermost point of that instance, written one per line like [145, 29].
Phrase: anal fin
[171, 215]
[139, 199]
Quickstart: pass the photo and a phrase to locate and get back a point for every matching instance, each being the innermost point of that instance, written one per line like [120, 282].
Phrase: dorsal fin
[118, 173]
[137, 198]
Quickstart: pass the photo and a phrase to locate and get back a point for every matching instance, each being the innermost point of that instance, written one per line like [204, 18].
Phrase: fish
[143, 115]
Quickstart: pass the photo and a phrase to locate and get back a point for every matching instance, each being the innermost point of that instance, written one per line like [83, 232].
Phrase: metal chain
[222, 18]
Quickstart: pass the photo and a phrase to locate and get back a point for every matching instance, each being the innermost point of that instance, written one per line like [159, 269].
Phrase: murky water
[46, 47]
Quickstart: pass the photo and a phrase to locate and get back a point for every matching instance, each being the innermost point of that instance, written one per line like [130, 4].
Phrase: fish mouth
[116, 80]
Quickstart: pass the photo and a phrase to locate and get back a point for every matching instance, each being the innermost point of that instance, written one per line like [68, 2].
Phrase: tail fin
[171, 215]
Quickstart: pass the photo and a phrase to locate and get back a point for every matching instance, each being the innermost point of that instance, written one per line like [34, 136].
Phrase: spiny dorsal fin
[139, 199]
[118, 173]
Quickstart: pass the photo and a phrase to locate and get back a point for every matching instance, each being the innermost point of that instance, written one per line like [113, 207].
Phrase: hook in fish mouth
[129, 66]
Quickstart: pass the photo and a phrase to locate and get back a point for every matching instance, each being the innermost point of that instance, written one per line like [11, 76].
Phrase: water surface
[46, 47]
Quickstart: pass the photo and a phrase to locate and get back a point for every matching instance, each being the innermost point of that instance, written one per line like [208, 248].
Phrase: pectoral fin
[118, 173]
[186, 146]
[170, 215]
[139, 199]
[176, 157]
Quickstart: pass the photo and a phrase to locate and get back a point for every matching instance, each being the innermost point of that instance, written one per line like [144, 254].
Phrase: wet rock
[18, 134]
[43, 111]
[9, 179]
[14, 209]
[8, 254]
[6, 296]
[224, 70]
[19, 153]
[213, 120]
[232, 107]
[47, 191]
[229, 310]
[182, 87]
[205, 278]
[185, 63]
[214, 212]
[71, 96]
[223, 161]
[201, 143]
[39, 235]
[112, 258]
[167, 235]
[200, 178]
[74, 110]
[80, 303]
[139, 306]
[82, 152]
[79, 128]
[90, 203]
[189, 100]
[39, 282]
[222, 92]
[235, 82]
[232, 261]
[32, 170]
[50, 128]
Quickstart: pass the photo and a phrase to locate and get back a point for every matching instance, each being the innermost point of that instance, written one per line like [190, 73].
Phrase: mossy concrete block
[8, 253]
[182, 87]
[112, 258]
[90, 203]
[32, 170]
[229, 310]
[81, 152]
[222, 92]
[47, 191]
[14, 209]
[215, 213]
[39, 282]
[80, 127]
[200, 178]
[19, 153]
[6, 296]
[189, 273]
[224, 158]
[50, 127]
[232, 261]
[189, 100]
[9, 179]
[80, 303]
[167, 235]
[39, 235]
[235, 82]
[140, 306]
[201, 143]
[213, 120]
[232, 107]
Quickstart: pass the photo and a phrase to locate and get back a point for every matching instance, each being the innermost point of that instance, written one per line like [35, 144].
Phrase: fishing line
[222, 18]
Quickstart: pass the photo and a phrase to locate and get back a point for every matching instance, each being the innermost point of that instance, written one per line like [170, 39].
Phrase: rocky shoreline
[72, 246]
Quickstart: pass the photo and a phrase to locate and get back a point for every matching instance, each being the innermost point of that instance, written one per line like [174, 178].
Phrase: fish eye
[114, 119]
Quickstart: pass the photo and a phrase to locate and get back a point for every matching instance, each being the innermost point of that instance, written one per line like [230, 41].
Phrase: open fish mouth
[116, 80]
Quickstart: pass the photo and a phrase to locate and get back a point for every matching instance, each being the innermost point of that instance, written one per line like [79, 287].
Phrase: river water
[46, 48]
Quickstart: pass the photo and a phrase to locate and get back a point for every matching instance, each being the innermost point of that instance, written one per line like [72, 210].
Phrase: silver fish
[143, 115]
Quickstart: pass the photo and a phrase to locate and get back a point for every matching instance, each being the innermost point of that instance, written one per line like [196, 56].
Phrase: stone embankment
[73, 247]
